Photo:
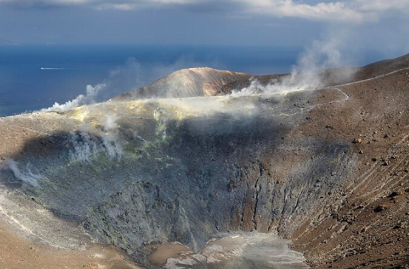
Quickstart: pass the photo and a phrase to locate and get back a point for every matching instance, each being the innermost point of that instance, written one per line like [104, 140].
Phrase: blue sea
[35, 77]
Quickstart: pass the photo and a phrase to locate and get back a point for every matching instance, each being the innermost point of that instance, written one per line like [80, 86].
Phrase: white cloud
[133, 4]
[322, 11]
[382, 5]
[108, 6]
[96, 4]
[354, 11]
[346, 11]
[29, 3]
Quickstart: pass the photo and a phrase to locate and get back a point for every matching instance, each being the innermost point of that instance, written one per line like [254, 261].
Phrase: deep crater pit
[142, 173]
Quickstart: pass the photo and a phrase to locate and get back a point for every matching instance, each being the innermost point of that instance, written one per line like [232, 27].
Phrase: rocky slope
[178, 161]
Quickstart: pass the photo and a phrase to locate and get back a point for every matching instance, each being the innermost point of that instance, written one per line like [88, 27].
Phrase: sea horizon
[33, 77]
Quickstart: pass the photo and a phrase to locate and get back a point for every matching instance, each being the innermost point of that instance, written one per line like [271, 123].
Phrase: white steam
[123, 79]
[83, 145]
[306, 75]
[110, 122]
[28, 175]
[110, 137]
[80, 100]
[119, 80]
[161, 116]
[255, 87]
[88, 141]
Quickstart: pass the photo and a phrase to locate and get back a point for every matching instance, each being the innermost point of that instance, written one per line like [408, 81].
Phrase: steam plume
[305, 76]
[88, 141]
[123, 79]
[26, 175]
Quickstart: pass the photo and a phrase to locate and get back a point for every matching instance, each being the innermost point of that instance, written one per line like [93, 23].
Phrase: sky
[362, 24]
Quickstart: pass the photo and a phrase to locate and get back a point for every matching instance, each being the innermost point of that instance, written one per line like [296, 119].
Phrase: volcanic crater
[188, 173]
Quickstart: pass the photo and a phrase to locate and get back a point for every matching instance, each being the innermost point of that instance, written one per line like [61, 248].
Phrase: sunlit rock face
[138, 172]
